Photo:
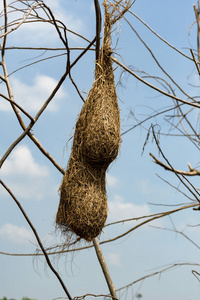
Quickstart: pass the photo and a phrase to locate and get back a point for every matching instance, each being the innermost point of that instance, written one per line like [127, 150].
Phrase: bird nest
[83, 203]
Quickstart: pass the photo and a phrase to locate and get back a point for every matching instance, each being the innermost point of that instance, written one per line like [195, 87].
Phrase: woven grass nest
[83, 204]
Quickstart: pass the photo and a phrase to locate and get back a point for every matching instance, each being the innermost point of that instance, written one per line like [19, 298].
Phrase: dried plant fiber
[83, 203]
[98, 126]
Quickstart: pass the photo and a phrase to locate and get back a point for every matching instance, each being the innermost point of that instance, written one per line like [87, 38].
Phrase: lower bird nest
[83, 203]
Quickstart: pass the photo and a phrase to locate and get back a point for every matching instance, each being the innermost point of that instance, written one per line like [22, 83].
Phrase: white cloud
[145, 186]
[44, 33]
[16, 234]
[188, 223]
[119, 210]
[113, 259]
[27, 178]
[31, 97]
[111, 180]
[21, 162]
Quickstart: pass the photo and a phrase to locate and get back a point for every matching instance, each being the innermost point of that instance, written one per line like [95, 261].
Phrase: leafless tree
[178, 117]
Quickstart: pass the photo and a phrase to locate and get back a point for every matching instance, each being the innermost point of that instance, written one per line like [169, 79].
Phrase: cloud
[45, 33]
[113, 259]
[21, 162]
[16, 234]
[119, 210]
[32, 96]
[27, 178]
[188, 223]
[111, 180]
[145, 187]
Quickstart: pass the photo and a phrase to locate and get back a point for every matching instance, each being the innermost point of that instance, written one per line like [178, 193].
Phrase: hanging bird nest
[97, 132]
[98, 126]
[83, 203]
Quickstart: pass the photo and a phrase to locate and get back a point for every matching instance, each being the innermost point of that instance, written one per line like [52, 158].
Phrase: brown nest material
[83, 203]
[97, 134]
[98, 126]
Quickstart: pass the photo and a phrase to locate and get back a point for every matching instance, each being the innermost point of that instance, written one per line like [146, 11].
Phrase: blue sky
[132, 181]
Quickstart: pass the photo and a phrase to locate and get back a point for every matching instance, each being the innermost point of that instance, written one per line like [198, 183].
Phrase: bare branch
[15, 143]
[194, 104]
[98, 27]
[195, 61]
[37, 238]
[197, 15]
[156, 61]
[27, 129]
[181, 180]
[179, 232]
[18, 106]
[47, 48]
[152, 218]
[196, 274]
[104, 268]
[92, 295]
[158, 273]
[22, 21]
[156, 34]
[192, 172]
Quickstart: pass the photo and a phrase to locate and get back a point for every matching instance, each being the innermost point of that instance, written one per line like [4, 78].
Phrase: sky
[134, 183]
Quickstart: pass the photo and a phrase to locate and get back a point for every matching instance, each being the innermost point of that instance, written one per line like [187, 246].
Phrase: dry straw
[83, 203]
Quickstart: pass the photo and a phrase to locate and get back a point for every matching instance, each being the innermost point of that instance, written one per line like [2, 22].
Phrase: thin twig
[197, 15]
[77, 89]
[27, 129]
[156, 61]
[148, 118]
[22, 21]
[18, 106]
[179, 232]
[46, 48]
[153, 218]
[195, 61]
[156, 34]
[158, 273]
[195, 104]
[192, 172]
[179, 177]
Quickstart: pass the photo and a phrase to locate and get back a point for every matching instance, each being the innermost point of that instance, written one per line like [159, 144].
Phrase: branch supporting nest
[105, 269]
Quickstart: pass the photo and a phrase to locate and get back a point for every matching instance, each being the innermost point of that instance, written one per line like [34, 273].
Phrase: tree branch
[158, 273]
[192, 172]
[27, 129]
[195, 104]
[38, 239]
[98, 27]
[18, 106]
[105, 269]
[151, 218]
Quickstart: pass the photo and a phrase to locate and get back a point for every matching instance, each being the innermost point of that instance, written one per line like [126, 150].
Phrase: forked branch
[191, 172]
